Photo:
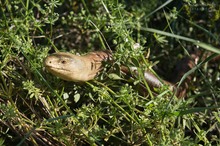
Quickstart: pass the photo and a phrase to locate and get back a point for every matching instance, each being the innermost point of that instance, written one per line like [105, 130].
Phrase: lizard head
[67, 66]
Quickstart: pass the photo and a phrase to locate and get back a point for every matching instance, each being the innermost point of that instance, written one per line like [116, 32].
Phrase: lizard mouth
[56, 69]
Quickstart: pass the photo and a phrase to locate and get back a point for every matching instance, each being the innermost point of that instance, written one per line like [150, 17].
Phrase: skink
[76, 68]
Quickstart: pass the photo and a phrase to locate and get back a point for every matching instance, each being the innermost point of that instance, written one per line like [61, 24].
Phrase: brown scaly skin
[76, 68]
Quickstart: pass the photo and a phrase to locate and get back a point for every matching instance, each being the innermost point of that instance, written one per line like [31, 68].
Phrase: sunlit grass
[37, 108]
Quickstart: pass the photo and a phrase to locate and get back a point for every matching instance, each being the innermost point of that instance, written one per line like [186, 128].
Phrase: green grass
[37, 108]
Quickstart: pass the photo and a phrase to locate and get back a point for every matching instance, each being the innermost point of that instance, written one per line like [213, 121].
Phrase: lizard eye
[63, 61]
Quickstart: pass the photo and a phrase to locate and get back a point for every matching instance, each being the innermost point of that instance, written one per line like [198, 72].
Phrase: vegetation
[37, 108]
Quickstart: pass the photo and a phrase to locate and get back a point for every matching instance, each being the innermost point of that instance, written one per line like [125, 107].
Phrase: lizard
[71, 67]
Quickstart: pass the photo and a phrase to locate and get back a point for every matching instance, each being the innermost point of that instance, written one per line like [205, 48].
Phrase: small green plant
[37, 108]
